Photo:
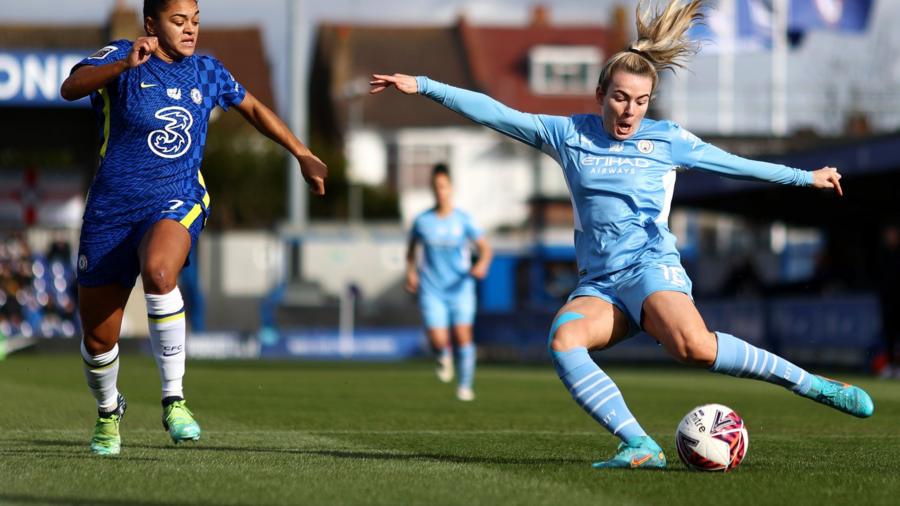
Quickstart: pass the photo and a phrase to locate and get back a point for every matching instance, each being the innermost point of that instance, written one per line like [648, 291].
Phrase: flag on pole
[749, 27]
[837, 15]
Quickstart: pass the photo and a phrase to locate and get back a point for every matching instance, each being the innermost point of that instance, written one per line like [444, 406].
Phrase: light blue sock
[592, 389]
[466, 365]
[738, 358]
[596, 392]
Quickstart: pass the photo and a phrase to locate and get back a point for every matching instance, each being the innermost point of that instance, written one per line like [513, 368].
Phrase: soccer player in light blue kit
[621, 169]
[148, 202]
[445, 280]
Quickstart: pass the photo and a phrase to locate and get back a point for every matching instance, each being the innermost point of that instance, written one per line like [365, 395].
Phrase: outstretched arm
[89, 78]
[270, 125]
[689, 151]
[720, 162]
[480, 108]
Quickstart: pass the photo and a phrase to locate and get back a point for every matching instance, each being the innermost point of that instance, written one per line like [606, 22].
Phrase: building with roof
[395, 140]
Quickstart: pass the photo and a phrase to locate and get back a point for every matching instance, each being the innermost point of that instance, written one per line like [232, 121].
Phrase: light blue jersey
[446, 289]
[447, 255]
[621, 190]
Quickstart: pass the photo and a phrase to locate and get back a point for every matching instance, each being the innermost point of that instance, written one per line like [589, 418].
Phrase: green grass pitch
[313, 433]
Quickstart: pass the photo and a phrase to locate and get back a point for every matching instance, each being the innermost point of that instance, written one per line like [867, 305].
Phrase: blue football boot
[637, 453]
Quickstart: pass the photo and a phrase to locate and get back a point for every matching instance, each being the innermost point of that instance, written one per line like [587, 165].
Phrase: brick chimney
[540, 17]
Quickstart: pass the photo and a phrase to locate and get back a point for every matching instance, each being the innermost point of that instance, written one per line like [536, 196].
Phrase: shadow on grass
[27, 499]
[32, 453]
[369, 455]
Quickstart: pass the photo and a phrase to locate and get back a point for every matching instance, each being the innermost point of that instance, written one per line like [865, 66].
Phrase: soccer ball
[712, 437]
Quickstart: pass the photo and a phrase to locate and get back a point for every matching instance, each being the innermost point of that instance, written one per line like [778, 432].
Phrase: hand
[412, 281]
[828, 177]
[403, 83]
[141, 51]
[479, 271]
[314, 172]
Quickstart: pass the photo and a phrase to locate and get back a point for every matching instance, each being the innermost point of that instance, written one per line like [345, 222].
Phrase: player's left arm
[485, 255]
[269, 124]
[475, 234]
[689, 151]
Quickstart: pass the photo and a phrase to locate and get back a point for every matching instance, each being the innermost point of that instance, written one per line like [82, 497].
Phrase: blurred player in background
[445, 280]
[148, 202]
[621, 168]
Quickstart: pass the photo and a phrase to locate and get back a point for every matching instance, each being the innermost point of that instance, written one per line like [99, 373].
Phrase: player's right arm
[532, 129]
[86, 79]
[412, 275]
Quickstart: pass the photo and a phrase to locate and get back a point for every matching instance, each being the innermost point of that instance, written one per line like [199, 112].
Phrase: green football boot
[841, 396]
[106, 439]
[179, 421]
[637, 453]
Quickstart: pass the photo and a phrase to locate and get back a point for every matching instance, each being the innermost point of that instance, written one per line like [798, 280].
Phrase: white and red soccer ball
[712, 437]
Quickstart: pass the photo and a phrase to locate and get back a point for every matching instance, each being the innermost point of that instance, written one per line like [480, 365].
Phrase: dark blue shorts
[108, 252]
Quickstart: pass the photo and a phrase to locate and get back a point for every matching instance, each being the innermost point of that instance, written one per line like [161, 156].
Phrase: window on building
[564, 70]
[415, 162]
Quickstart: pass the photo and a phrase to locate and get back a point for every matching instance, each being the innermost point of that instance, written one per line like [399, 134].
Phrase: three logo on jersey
[174, 139]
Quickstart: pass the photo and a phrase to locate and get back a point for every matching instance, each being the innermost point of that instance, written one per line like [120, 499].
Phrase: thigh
[600, 325]
[107, 254]
[641, 282]
[163, 252]
[101, 309]
[672, 319]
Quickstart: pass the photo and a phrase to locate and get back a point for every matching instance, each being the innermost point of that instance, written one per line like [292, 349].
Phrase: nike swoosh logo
[145, 85]
[177, 352]
[636, 462]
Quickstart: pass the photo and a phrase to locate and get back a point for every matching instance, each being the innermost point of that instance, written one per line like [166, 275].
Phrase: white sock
[167, 335]
[101, 372]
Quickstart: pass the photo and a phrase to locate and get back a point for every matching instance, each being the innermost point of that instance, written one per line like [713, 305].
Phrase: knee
[567, 337]
[695, 348]
[158, 278]
[96, 346]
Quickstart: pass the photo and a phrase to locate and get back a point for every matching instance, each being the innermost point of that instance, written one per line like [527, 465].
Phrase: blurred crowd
[37, 289]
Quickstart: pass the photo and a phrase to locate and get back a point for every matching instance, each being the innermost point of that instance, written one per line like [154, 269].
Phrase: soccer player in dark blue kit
[148, 201]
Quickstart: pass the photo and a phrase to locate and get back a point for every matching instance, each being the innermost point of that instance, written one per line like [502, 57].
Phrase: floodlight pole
[779, 67]
[298, 106]
[297, 218]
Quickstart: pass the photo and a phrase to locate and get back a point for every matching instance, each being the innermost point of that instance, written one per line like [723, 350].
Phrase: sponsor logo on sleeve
[103, 53]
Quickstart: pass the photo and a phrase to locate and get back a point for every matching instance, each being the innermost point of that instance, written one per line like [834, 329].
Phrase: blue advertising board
[33, 78]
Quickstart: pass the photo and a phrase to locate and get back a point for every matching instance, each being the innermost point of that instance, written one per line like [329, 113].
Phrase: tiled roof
[354, 53]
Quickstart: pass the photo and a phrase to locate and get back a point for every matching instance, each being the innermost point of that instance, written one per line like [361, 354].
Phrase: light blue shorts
[627, 289]
[443, 310]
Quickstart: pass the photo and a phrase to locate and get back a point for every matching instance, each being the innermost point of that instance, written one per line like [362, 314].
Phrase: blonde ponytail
[662, 42]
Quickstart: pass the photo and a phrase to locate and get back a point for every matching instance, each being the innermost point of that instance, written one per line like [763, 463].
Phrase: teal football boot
[637, 453]
[106, 439]
[179, 421]
[841, 396]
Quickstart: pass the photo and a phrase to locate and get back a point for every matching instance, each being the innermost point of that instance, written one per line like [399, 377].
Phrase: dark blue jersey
[153, 121]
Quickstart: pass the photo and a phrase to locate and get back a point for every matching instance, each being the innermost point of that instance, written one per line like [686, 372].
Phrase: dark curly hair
[152, 8]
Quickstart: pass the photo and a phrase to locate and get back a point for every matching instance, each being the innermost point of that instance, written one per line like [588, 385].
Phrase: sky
[828, 74]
